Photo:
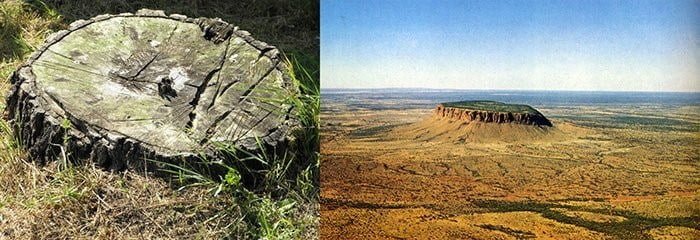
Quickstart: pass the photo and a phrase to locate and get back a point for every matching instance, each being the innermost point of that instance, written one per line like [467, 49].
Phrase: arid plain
[606, 171]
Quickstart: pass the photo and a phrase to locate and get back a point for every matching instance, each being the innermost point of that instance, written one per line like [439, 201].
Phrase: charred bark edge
[37, 121]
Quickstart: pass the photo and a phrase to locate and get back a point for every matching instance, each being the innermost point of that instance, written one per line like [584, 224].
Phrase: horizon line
[519, 90]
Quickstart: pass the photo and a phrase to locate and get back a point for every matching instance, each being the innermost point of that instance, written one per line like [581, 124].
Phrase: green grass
[292, 26]
[61, 199]
[492, 106]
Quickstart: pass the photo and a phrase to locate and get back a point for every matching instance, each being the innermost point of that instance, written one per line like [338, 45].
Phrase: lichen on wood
[147, 85]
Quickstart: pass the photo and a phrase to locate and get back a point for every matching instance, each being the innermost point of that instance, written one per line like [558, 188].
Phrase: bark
[150, 86]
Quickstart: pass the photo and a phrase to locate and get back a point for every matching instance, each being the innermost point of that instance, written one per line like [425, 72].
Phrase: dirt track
[595, 183]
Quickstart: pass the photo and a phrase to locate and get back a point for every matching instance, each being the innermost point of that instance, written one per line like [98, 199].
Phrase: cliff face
[468, 115]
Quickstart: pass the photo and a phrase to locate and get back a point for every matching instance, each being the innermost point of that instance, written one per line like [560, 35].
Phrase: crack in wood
[172, 33]
[131, 120]
[243, 97]
[203, 86]
[211, 128]
[69, 58]
[250, 128]
[129, 80]
[54, 65]
[220, 92]
[229, 85]
[250, 89]
[143, 68]
[263, 51]
[218, 82]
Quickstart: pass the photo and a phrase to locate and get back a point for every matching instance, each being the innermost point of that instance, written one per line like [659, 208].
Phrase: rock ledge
[491, 112]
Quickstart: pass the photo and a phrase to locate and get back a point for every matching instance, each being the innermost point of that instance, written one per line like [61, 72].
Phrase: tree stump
[147, 85]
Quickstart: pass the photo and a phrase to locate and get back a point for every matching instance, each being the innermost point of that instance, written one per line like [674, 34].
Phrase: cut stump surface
[147, 85]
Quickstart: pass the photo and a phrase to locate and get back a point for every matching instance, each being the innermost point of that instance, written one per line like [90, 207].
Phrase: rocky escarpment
[467, 114]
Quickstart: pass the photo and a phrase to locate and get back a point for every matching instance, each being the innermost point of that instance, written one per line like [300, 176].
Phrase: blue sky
[514, 45]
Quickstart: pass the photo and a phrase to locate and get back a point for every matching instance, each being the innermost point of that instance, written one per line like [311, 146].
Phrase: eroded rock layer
[471, 115]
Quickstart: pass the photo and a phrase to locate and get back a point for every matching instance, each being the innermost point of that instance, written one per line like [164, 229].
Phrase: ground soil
[386, 175]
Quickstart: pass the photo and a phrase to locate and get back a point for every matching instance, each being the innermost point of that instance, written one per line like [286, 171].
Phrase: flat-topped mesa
[491, 112]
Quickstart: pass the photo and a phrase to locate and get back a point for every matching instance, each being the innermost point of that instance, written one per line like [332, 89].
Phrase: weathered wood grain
[147, 85]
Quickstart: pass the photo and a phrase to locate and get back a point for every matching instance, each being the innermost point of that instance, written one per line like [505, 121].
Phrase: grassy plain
[613, 172]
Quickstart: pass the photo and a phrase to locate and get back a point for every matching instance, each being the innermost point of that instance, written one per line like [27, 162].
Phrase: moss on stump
[118, 89]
